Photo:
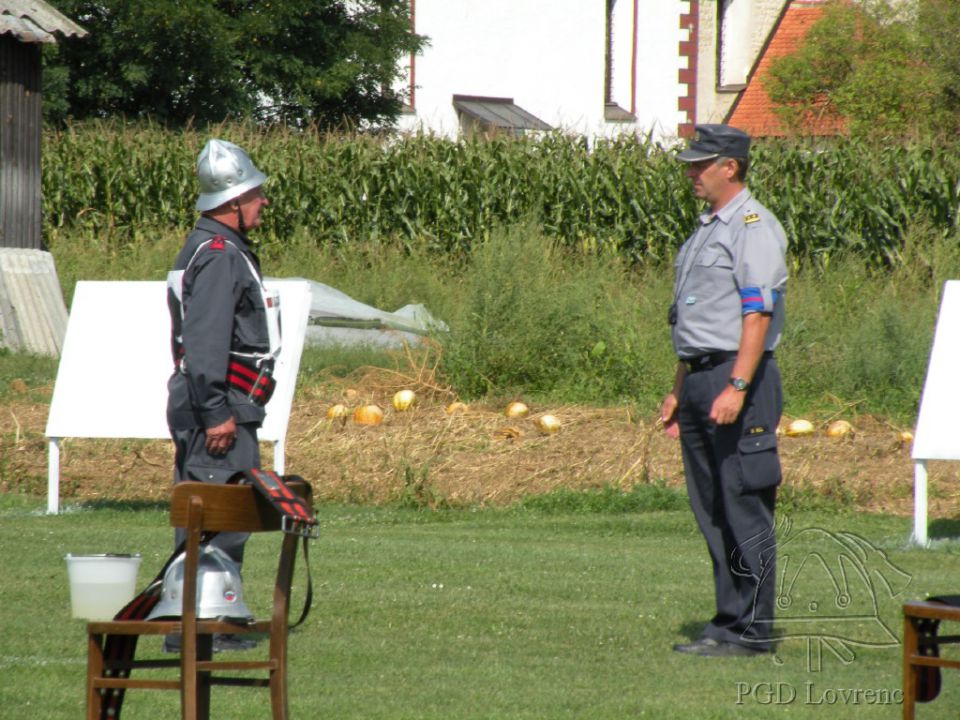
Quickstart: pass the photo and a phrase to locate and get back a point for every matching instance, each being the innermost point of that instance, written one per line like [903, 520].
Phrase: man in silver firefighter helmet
[225, 330]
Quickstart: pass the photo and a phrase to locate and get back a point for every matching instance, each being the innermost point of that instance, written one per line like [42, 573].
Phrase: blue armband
[754, 299]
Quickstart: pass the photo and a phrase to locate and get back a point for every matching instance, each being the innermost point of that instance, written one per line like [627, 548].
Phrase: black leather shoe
[708, 647]
[171, 644]
[221, 643]
[227, 643]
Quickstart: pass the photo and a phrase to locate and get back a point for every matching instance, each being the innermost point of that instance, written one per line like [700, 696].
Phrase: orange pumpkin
[368, 415]
[337, 411]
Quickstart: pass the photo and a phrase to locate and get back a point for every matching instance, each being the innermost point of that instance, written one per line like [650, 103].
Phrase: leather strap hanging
[124, 647]
[297, 518]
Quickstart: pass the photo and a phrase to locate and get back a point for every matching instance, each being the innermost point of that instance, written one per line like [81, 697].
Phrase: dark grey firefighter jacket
[223, 311]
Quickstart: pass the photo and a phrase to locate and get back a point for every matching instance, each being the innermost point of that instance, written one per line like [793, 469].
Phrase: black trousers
[732, 473]
[193, 462]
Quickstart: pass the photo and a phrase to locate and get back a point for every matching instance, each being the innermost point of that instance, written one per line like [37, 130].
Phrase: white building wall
[658, 65]
[548, 57]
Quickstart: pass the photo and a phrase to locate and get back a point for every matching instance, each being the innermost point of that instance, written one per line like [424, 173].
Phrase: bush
[536, 320]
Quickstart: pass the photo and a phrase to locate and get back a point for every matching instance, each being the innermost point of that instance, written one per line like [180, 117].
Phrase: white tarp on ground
[338, 319]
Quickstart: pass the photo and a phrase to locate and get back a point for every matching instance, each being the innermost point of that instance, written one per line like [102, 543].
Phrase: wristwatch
[739, 384]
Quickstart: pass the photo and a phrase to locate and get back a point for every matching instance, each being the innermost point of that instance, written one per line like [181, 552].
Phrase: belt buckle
[294, 526]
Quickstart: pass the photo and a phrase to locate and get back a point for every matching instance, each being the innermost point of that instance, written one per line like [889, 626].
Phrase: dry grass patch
[478, 457]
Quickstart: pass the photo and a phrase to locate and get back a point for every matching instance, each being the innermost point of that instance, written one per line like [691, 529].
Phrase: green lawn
[497, 614]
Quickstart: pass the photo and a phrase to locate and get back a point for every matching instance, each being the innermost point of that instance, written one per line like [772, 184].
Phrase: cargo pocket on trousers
[759, 462]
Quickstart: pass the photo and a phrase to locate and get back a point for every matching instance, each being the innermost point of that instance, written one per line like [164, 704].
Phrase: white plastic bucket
[100, 585]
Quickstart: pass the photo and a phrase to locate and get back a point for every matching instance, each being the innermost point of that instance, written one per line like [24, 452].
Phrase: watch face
[738, 383]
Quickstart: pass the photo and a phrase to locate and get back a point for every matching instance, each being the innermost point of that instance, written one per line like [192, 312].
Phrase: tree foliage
[890, 68]
[179, 61]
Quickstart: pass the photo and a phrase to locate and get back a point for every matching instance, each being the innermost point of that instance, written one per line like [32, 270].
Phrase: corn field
[628, 196]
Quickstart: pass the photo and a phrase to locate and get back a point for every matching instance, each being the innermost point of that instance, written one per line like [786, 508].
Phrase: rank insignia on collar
[751, 218]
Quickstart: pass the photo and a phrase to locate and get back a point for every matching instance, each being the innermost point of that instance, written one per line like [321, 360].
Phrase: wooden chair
[921, 649]
[201, 507]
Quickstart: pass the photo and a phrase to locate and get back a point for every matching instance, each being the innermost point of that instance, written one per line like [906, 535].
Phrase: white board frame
[116, 359]
[935, 437]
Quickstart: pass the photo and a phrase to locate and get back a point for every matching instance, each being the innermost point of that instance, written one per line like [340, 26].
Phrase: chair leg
[188, 677]
[278, 694]
[278, 678]
[204, 652]
[910, 648]
[94, 670]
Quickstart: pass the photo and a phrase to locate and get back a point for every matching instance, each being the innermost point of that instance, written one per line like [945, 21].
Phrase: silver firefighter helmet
[225, 172]
[219, 588]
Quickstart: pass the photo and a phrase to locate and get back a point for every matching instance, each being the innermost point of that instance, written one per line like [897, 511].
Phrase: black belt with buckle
[708, 362]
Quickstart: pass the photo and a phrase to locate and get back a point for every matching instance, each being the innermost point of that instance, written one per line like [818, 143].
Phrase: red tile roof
[754, 111]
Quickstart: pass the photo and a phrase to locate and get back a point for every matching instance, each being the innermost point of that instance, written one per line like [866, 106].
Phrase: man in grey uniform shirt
[225, 337]
[726, 319]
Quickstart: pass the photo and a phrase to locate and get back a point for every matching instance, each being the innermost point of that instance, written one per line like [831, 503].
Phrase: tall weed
[861, 338]
[378, 273]
[536, 320]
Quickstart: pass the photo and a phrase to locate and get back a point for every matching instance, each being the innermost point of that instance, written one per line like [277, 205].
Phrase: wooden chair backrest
[200, 507]
[228, 508]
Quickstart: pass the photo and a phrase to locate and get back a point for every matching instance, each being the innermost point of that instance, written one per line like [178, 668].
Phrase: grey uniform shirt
[734, 264]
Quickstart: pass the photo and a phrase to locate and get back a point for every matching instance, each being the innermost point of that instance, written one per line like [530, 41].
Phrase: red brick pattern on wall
[753, 110]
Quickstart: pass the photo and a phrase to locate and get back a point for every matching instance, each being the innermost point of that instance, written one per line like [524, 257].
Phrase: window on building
[613, 64]
[608, 54]
[734, 46]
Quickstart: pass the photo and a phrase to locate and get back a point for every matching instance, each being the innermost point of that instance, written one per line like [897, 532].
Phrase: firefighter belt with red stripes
[122, 648]
[256, 383]
[297, 515]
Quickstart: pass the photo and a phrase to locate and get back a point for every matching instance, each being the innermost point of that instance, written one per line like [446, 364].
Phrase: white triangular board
[937, 436]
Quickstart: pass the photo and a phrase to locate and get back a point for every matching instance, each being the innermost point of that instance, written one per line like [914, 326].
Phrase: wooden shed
[24, 26]
[33, 317]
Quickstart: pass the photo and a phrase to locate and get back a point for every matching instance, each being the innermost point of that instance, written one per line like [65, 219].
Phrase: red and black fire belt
[122, 648]
[256, 383]
[297, 517]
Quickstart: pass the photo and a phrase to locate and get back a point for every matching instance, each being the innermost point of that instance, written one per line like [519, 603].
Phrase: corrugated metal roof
[33, 317]
[499, 112]
[34, 21]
